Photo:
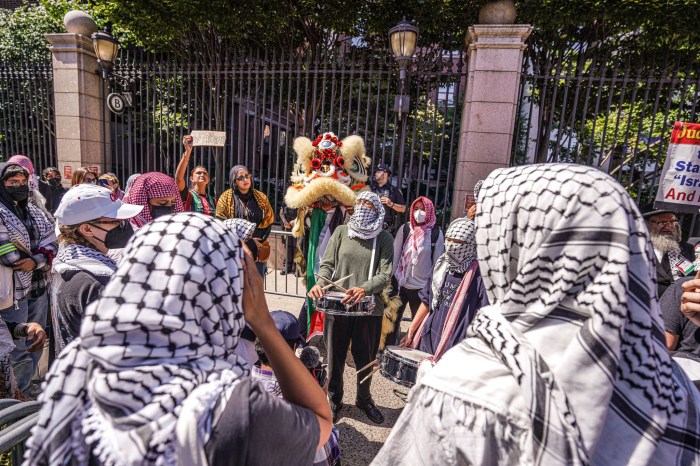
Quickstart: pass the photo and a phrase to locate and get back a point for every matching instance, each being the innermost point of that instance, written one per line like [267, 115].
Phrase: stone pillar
[79, 105]
[490, 104]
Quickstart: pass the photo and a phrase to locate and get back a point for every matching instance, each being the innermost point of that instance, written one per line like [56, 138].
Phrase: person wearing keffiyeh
[157, 193]
[92, 222]
[417, 247]
[568, 364]
[244, 201]
[352, 251]
[154, 378]
[196, 198]
[27, 245]
[453, 296]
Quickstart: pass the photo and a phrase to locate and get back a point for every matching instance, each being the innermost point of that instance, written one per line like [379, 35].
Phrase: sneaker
[371, 410]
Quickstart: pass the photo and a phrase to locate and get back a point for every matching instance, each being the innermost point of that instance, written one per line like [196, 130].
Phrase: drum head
[408, 354]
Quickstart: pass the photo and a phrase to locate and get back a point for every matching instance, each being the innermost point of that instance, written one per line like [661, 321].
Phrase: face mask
[456, 253]
[117, 237]
[160, 210]
[18, 193]
[54, 181]
[419, 215]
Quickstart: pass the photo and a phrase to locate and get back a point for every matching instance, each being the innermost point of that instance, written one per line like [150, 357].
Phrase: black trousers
[410, 297]
[339, 332]
[291, 245]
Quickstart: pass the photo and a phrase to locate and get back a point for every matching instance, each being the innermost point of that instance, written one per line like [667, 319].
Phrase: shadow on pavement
[355, 447]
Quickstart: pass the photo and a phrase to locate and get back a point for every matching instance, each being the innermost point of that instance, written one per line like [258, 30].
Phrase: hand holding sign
[208, 138]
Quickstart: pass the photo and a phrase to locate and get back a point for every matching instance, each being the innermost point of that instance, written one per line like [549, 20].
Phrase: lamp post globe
[403, 38]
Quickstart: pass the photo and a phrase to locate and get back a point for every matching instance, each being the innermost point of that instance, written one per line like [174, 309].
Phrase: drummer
[352, 249]
[452, 297]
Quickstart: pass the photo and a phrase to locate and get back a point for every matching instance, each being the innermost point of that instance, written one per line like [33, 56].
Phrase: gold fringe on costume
[391, 309]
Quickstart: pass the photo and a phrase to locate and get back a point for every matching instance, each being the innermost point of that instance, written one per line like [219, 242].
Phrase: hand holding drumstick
[690, 300]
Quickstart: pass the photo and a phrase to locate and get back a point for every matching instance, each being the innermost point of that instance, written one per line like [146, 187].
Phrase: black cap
[383, 167]
[648, 211]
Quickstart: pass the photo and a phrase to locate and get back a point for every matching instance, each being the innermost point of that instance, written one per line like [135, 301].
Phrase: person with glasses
[27, 247]
[196, 199]
[111, 182]
[243, 201]
[674, 258]
[83, 175]
[92, 221]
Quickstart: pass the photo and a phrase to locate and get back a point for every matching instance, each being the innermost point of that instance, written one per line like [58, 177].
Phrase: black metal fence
[264, 100]
[608, 110]
[27, 112]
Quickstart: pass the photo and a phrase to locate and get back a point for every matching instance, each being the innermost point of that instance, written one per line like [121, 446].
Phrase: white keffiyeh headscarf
[567, 263]
[156, 352]
[243, 228]
[366, 223]
[457, 256]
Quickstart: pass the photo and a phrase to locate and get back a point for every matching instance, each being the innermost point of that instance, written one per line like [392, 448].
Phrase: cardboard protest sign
[208, 138]
[679, 189]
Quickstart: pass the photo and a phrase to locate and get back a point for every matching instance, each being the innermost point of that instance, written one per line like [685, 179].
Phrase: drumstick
[370, 374]
[368, 365]
[332, 283]
[328, 287]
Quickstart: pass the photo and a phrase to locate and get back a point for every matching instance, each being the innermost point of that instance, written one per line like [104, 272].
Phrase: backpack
[434, 236]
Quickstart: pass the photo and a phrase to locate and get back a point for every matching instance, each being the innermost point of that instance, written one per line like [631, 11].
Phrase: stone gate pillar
[490, 104]
[82, 122]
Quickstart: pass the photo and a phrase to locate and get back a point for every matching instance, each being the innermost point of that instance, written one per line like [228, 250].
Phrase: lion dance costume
[327, 176]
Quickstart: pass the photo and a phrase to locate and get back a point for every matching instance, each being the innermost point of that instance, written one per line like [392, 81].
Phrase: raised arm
[181, 171]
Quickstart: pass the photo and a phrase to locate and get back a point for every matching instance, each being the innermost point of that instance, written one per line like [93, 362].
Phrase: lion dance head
[328, 172]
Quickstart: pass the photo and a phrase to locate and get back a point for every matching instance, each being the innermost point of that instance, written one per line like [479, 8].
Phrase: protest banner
[679, 189]
[208, 138]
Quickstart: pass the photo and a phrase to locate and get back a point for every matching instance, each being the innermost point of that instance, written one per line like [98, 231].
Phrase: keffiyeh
[366, 223]
[149, 186]
[567, 263]
[155, 351]
[416, 239]
[457, 256]
[243, 228]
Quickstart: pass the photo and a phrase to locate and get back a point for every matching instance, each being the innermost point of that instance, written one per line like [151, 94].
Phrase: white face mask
[419, 215]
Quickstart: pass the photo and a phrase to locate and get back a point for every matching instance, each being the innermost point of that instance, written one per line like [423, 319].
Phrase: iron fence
[27, 112]
[263, 100]
[607, 110]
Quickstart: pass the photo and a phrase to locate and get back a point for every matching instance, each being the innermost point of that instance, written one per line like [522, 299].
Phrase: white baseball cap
[86, 202]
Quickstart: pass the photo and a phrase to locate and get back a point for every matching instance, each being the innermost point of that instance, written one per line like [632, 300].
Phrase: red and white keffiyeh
[416, 239]
[149, 186]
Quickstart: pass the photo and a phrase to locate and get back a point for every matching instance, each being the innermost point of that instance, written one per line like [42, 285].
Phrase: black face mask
[160, 210]
[117, 237]
[54, 181]
[18, 193]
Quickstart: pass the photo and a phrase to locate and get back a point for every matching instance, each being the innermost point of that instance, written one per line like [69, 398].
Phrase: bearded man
[674, 259]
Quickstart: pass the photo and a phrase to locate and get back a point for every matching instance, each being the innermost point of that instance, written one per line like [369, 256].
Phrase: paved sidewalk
[360, 439]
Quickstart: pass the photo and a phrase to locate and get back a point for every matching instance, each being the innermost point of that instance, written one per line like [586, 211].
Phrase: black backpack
[434, 236]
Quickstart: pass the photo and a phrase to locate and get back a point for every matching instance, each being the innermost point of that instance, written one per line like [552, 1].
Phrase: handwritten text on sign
[208, 138]
[680, 181]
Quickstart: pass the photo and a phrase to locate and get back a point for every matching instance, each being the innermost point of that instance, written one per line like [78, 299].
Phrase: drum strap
[371, 262]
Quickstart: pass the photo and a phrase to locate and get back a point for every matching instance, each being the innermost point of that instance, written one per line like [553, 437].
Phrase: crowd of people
[543, 312]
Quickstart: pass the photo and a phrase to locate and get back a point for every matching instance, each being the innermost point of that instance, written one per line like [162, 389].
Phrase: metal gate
[27, 112]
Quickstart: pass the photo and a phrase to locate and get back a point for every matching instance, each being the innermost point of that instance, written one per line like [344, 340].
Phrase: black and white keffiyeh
[477, 189]
[568, 267]
[79, 257]
[457, 256]
[155, 354]
[366, 223]
[243, 228]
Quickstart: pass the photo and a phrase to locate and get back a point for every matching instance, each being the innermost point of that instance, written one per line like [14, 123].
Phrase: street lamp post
[403, 38]
[106, 48]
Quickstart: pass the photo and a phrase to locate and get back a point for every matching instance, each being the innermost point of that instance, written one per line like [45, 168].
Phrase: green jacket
[345, 256]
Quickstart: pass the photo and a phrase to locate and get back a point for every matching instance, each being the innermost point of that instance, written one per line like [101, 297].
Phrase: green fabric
[345, 256]
[7, 248]
[318, 221]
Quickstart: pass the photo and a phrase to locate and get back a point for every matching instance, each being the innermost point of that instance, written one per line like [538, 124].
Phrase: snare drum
[331, 303]
[401, 364]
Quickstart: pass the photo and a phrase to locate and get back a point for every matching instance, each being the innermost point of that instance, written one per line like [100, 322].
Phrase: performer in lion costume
[325, 180]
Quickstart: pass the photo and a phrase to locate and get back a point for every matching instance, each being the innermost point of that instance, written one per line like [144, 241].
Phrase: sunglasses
[120, 223]
[242, 177]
